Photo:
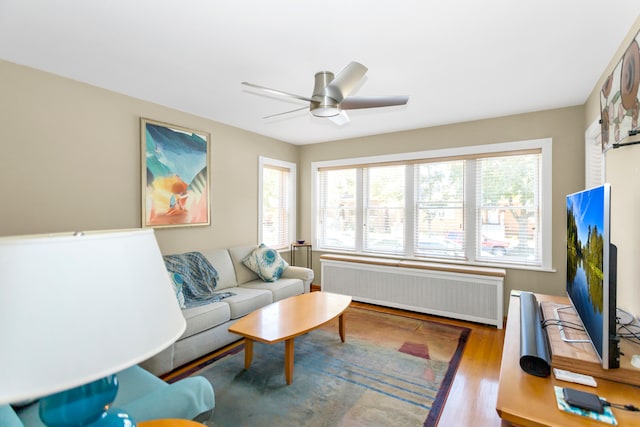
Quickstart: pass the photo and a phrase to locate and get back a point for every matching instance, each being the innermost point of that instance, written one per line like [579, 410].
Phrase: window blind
[384, 209]
[594, 162]
[484, 208]
[508, 214]
[336, 219]
[276, 206]
[439, 209]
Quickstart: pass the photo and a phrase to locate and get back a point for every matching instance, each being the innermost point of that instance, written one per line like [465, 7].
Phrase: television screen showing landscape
[585, 255]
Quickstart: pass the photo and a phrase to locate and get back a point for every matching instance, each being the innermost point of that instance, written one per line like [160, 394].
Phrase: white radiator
[459, 295]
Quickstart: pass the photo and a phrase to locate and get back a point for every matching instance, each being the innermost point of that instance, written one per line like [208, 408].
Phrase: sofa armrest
[184, 399]
[143, 396]
[8, 417]
[302, 273]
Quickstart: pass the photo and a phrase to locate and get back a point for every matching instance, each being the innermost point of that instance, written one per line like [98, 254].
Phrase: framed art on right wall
[619, 103]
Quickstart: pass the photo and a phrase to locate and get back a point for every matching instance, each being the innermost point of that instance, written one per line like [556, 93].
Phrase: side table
[170, 422]
[309, 249]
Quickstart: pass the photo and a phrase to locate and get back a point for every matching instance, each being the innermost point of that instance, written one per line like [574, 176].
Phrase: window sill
[391, 258]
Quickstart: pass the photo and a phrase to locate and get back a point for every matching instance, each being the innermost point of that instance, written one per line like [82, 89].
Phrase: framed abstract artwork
[175, 175]
[619, 101]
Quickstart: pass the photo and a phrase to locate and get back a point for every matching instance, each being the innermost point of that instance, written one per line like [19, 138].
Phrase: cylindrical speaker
[535, 358]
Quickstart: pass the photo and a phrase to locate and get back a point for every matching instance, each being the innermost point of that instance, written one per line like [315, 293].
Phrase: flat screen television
[591, 269]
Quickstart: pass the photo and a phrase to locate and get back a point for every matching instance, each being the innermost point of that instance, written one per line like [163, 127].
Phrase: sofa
[207, 324]
[142, 395]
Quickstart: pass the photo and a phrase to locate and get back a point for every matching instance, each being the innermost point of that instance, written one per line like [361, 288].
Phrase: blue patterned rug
[391, 371]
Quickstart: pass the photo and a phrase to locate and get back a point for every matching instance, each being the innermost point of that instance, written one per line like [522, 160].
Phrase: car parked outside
[386, 245]
[495, 247]
[436, 246]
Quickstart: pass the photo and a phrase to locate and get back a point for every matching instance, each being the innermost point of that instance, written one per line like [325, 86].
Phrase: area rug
[391, 371]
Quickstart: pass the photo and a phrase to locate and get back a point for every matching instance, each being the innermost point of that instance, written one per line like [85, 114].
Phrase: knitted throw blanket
[197, 277]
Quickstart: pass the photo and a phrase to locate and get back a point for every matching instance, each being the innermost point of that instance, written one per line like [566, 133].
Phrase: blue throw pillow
[177, 288]
[266, 263]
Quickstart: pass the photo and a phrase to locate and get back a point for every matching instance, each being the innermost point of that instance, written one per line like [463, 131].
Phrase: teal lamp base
[86, 405]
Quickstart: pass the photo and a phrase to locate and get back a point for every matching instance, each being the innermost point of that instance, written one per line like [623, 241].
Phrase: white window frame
[265, 162]
[544, 145]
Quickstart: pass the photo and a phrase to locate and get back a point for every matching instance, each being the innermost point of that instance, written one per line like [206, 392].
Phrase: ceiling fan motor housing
[323, 105]
[331, 93]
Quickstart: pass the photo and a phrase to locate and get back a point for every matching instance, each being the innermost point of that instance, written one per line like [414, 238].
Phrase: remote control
[574, 377]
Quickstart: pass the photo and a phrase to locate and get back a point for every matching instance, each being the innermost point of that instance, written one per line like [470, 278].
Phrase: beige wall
[564, 126]
[71, 161]
[622, 171]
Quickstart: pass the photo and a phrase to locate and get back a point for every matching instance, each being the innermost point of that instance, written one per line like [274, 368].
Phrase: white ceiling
[458, 60]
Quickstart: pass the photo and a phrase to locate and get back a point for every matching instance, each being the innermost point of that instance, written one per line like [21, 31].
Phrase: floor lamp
[74, 310]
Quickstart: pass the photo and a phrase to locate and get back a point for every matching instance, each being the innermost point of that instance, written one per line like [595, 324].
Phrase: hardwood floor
[472, 398]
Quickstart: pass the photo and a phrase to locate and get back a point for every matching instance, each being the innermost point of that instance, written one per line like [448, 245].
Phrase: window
[337, 209]
[439, 209]
[277, 204]
[508, 203]
[384, 209]
[484, 205]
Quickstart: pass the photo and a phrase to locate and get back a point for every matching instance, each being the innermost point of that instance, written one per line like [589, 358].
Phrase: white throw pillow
[266, 263]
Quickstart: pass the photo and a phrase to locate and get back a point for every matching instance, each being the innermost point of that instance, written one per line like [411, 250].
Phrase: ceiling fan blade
[278, 92]
[356, 102]
[340, 119]
[286, 112]
[345, 81]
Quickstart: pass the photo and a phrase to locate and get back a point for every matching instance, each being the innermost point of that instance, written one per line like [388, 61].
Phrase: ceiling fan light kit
[331, 94]
[323, 105]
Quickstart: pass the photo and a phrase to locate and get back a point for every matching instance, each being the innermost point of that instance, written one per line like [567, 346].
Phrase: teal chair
[141, 394]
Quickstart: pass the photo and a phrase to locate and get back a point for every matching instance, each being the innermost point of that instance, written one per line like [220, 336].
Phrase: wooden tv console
[581, 357]
[527, 400]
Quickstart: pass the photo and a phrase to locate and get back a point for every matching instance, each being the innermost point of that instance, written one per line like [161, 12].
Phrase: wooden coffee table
[286, 319]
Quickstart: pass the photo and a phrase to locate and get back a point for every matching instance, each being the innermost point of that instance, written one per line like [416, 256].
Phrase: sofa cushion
[205, 317]
[266, 263]
[281, 289]
[220, 259]
[247, 300]
[243, 274]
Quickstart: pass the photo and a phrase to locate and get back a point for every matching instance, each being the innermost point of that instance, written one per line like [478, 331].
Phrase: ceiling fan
[331, 95]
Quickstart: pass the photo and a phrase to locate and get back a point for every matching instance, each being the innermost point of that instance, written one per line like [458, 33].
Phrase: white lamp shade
[74, 309]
